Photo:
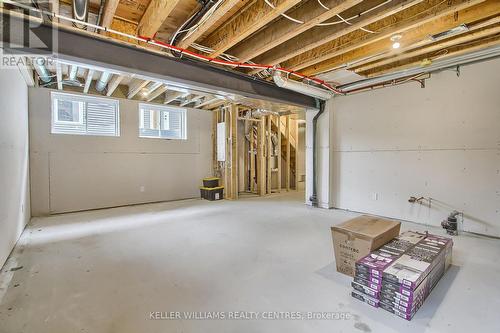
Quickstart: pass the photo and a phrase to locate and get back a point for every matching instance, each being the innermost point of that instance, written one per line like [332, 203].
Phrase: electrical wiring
[180, 51]
[342, 20]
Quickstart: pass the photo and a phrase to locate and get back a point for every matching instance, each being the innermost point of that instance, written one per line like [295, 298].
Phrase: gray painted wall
[72, 173]
[14, 166]
[441, 142]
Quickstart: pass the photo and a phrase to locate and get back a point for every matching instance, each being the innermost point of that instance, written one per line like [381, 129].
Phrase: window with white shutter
[84, 115]
[163, 122]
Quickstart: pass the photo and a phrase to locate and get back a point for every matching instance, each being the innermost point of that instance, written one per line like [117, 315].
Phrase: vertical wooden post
[252, 159]
[287, 165]
[296, 129]
[245, 157]
[214, 142]
[269, 154]
[233, 115]
[261, 161]
[227, 179]
[279, 157]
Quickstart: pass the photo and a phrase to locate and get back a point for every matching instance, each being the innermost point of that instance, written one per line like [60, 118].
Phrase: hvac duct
[41, 70]
[481, 55]
[103, 81]
[301, 88]
[80, 12]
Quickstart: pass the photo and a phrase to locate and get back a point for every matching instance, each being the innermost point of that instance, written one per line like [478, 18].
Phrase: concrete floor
[105, 271]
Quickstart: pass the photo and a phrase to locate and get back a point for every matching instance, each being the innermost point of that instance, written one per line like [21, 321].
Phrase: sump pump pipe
[314, 196]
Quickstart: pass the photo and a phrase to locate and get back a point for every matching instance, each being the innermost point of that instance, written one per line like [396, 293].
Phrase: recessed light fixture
[395, 41]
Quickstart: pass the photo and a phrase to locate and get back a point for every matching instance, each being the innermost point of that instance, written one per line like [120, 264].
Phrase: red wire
[240, 64]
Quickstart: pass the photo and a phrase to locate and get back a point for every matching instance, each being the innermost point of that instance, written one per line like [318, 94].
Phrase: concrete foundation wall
[441, 142]
[14, 162]
[72, 172]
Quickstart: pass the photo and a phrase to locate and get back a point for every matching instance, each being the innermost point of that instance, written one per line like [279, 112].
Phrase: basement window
[161, 122]
[84, 115]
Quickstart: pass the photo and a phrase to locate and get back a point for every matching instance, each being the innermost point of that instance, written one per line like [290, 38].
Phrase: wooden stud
[154, 16]
[261, 161]
[257, 15]
[227, 178]
[279, 157]
[415, 23]
[246, 158]
[88, 80]
[233, 113]
[113, 84]
[269, 155]
[252, 158]
[296, 162]
[214, 142]
[288, 151]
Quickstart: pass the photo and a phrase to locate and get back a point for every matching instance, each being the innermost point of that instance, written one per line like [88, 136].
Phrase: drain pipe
[103, 81]
[314, 197]
[80, 12]
[41, 70]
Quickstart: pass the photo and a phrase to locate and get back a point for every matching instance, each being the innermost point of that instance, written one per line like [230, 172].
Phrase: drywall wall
[72, 172]
[441, 142]
[14, 159]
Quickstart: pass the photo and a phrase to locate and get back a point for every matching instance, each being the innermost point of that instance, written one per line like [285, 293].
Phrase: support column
[287, 164]
[278, 125]
[269, 154]
[261, 161]
[233, 118]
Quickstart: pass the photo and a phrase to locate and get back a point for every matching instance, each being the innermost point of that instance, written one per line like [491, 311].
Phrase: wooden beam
[414, 23]
[109, 12]
[261, 161]
[311, 13]
[88, 80]
[59, 76]
[296, 162]
[157, 92]
[269, 154]
[216, 16]
[154, 16]
[233, 114]
[113, 84]
[206, 101]
[287, 158]
[451, 52]
[135, 87]
[318, 36]
[464, 38]
[278, 126]
[246, 23]
[172, 96]
[26, 72]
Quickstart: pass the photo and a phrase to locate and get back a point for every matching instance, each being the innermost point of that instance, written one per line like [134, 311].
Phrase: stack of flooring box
[398, 276]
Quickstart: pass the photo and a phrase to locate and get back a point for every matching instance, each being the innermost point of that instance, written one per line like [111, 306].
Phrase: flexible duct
[103, 81]
[80, 12]
[41, 70]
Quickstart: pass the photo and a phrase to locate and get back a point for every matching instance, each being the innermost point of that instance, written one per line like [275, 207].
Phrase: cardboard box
[357, 237]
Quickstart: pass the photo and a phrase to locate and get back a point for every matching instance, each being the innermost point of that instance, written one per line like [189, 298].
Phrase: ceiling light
[395, 41]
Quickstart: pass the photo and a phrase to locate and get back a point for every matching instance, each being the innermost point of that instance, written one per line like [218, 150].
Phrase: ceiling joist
[440, 18]
[318, 36]
[311, 13]
[246, 23]
[154, 16]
